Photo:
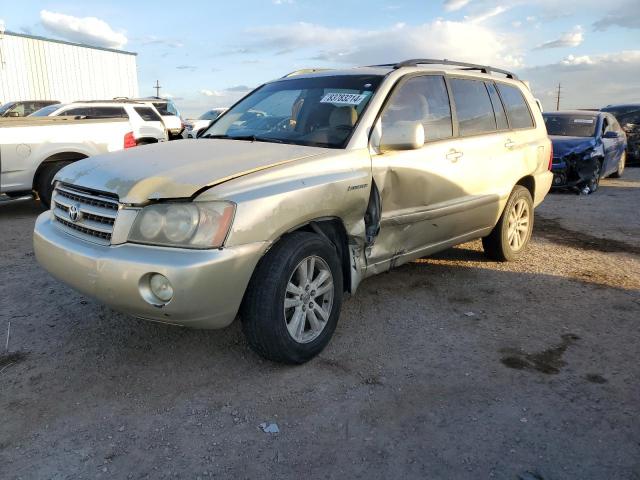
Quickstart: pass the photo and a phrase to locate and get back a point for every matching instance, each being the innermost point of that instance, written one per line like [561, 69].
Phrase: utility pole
[157, 87]
[558, 98]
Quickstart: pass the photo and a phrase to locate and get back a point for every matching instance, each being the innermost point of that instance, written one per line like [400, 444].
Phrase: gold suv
[298, 192]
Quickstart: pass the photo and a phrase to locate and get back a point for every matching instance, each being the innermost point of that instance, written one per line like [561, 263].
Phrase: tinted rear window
[108, 112]
[516, 105]
[147, 114]
[473, 107]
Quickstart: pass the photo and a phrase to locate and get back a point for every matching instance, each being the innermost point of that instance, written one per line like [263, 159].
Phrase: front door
[424, 192]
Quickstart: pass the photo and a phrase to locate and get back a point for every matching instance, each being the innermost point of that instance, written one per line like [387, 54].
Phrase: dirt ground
[449, 367]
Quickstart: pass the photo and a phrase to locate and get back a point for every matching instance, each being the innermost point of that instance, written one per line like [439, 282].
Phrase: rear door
[149, 123]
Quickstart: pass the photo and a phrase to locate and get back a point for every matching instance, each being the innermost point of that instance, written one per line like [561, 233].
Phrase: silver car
[305, 187]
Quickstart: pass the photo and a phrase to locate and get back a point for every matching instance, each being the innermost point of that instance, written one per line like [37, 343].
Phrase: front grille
[96, 212]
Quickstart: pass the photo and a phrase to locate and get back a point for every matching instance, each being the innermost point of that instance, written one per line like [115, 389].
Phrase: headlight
[188, 225]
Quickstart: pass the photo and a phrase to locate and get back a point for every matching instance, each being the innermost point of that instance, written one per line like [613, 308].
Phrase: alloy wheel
[519, 225]
[308, 299]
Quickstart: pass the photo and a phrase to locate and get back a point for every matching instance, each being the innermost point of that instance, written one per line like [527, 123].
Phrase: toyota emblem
[74, 213]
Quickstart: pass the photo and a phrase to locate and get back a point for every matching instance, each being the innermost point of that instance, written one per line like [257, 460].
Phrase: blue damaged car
[587, 146]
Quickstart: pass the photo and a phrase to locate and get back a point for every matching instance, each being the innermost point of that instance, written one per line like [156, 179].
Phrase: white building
[37, 68]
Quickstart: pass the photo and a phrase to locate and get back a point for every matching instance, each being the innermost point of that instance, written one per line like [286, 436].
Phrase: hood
[178, 169]
[567, 145]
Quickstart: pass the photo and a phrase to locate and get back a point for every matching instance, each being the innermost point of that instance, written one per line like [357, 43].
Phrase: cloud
[468, 41]
[579, 60]
[89, 30]
[626, 15]
[568, 39]
[153, 40]
[239, 88]
[211, 93]
[487, 15]
[1, 25]
[453, 5]
[613, 73]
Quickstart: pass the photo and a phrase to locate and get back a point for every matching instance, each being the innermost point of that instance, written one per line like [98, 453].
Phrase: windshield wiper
[252, 138]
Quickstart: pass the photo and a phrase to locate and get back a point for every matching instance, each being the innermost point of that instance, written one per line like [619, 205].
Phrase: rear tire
[621, 164]
[289, 313]
[510, 237]
[44, 183]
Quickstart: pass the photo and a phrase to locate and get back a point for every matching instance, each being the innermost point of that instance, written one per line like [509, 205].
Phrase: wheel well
[333, 230]
[529, 183]
[58, 157]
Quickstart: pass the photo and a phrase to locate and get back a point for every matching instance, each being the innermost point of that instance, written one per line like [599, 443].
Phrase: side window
[147, 114]
[422, 99]
[473, 107]
[18, 108]
[109, 112]
[516, 105]
[498, 108]
[605, 125]
[77, 112]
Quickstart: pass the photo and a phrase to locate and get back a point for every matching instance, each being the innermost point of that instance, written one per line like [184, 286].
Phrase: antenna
[558, 97]
[157, 87]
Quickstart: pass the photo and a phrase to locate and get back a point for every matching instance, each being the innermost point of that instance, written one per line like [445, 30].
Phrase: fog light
[161, 287]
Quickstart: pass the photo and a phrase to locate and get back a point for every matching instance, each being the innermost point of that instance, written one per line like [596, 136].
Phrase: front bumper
[572, 170]
[208, 284]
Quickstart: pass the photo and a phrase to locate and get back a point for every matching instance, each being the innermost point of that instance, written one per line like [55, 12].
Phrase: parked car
[144, 119]
[170, 115]
[24, 108]
[628, 116]
[305, 187]
[33, 150]
[193, 127]
[587, 146]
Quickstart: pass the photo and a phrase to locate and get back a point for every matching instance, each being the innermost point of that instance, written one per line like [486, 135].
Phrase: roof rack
[114, 100]
[303, 71]
[466, 66]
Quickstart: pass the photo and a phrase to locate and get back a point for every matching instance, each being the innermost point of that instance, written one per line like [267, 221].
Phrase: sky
[210, 53]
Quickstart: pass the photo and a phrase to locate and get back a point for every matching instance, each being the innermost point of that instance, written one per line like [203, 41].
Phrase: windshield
[571, 125]
[44, 112]
[7, 106]
[317, 111]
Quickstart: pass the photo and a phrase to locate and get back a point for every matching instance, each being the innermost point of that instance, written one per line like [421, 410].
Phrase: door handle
[510, 144]
[454, 155]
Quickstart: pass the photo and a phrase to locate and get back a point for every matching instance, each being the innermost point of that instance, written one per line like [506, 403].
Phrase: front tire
[591, 185]
[621, 164]
[293, 300]
[44, 184]
[510, 237]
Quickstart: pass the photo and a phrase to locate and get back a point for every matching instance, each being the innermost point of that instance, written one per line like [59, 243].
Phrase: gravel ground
[449, 367]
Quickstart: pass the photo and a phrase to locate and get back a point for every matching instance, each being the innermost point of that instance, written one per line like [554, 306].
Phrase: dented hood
[178, 169]
[568, 145]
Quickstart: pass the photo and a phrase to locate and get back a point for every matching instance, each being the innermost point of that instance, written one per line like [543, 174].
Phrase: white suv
[169, 113]
[146, 123]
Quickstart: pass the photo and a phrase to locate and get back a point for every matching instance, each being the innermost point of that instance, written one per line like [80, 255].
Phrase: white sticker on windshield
[583, 120]
[343, 98]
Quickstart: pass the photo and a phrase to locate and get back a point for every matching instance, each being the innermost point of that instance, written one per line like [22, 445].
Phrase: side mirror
[13, 114]
[402, 136]
[610, 134]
